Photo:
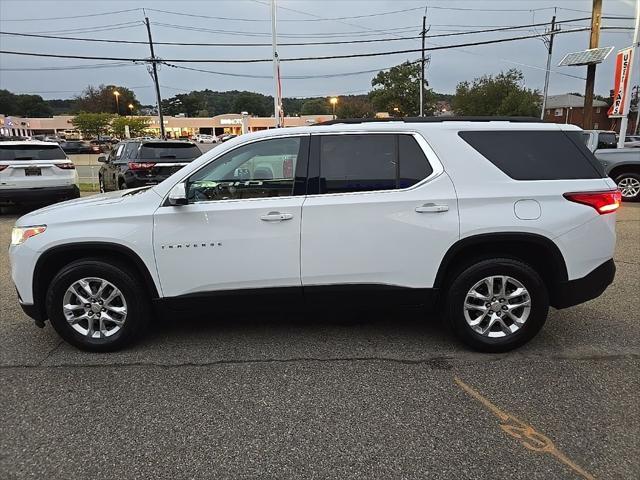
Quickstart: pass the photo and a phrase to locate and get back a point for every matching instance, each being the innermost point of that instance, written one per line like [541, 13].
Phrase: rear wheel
[629, 186]
[497, 305]
[97, 306]
[122, 185]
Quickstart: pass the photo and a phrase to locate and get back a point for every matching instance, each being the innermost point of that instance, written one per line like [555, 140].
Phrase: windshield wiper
[23, 158]
[168, 156]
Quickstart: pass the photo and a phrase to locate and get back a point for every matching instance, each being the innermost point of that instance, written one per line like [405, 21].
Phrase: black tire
[138, 308]
[101, 184]
[122, 185]
[467, 277]
[630, 176]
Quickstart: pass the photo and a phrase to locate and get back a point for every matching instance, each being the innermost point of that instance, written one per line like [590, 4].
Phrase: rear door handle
[276, 217]
[432, 208]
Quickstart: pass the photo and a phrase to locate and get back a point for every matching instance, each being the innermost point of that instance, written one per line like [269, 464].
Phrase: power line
[182, 14]
[95, 28]
[340, 42]
[70, 67]
[285, 77]
[68, 17]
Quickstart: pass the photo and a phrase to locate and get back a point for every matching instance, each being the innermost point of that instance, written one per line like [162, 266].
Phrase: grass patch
[89, 187]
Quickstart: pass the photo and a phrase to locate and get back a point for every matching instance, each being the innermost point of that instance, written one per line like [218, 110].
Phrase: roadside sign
[624, 60]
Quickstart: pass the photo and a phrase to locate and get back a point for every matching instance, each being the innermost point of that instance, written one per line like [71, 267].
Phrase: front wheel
[101, 184]
[497, 305]
[629, 186]
[97, 306]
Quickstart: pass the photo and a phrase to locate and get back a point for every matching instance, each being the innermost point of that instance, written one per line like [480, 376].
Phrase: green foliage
[102, 99]
[92, 124]
[503, 94]
[355, 107]
[23, 105]
[137, 126]
[399, 87]
[315, 106]
[218, 103]
[253, 103]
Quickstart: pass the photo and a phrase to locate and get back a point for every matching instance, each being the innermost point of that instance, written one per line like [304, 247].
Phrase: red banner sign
[621, 80]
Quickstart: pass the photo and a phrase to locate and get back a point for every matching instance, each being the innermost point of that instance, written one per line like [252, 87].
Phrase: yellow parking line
[523, 432]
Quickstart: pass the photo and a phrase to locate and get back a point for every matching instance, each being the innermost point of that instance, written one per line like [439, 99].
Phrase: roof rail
[433, 120]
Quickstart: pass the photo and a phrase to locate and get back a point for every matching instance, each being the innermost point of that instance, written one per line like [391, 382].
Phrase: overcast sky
[249, 21]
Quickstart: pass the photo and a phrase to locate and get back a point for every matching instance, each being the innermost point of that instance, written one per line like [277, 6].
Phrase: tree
[23, 105]
[92, 124]
[102, 99]
[137, 126]
[254, 103]
[355, 107]
[399, 88]
[503, 94]
[315, 106]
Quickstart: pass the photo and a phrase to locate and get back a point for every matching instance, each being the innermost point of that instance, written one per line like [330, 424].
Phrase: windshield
[31, 152]
[169, 151]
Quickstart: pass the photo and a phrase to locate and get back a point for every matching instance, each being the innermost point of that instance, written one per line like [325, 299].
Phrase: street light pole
[276, 68]
[546, 76]
[333, 101]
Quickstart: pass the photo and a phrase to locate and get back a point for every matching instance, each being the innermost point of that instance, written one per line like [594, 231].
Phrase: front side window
[258, 170]
[370, 162]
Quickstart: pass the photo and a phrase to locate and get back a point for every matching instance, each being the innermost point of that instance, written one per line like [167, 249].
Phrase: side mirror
[102, 159]
[178, 195]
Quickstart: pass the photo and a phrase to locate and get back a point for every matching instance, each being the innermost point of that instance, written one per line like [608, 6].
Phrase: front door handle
[276, 217]
[432, 208]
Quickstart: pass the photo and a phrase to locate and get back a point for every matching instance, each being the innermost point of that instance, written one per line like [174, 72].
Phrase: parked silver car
[623, 166]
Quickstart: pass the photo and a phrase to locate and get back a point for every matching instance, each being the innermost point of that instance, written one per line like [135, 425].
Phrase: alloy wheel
[497, 306]
[94, 307]
[629, 187]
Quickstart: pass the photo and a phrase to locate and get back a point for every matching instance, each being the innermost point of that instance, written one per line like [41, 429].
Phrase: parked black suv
[136, 163]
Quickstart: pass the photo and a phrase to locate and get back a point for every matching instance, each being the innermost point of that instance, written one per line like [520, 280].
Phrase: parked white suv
[490, 221]
[35, 171]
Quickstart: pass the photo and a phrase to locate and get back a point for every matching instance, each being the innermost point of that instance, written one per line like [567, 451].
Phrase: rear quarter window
[537, 154]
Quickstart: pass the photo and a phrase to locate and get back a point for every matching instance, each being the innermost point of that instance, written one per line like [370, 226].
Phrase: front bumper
[592, 285]
[36, 195]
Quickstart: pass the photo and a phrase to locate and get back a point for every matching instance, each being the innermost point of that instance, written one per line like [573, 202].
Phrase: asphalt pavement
[383, 396]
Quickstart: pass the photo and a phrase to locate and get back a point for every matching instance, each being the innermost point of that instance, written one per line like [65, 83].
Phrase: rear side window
[169, 151]
[370, 162]
[31, 152]
[536, 155]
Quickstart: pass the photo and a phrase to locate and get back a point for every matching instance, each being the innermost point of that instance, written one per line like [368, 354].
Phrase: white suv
[490, 221]
[33, 172]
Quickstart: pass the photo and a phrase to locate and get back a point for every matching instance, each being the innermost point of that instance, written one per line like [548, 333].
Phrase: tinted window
[130, 151]
[169, 151]
[414, 166]
[536, 155]
[368, 162]
[258, 170]
[356, 163]
[607, 140]
[31, 152]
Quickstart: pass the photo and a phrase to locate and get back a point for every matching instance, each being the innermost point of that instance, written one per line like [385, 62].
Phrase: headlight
[20, 235]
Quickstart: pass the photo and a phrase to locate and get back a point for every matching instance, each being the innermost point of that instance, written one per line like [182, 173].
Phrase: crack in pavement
[437, 363]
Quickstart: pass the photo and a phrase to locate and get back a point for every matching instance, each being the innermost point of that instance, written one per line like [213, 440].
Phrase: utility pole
[154, 74]
[423, 33]
[276, 68]
[594, 40]
[627, 94]
[546, 76]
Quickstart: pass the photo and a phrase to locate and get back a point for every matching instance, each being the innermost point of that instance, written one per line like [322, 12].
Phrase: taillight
[66, 166]
[141, 165]
[603, 202]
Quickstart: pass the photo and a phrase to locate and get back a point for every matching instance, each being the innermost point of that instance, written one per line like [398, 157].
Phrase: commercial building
[175, 127]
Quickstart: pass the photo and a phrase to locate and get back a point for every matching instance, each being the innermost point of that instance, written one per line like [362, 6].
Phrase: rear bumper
[592, 285]
[35, 195]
